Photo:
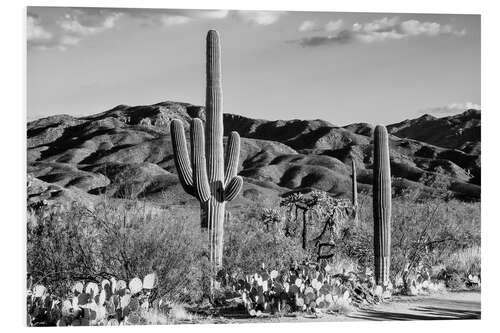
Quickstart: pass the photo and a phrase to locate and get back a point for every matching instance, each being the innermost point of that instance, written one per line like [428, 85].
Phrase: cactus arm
[201, 184]
[181, 156]
[232, 157]
[233, 188]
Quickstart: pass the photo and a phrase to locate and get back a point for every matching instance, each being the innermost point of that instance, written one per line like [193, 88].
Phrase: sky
[378, 68]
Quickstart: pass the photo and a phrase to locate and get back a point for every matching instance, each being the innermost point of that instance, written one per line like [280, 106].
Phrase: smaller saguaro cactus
[381, 206]
[354, 190]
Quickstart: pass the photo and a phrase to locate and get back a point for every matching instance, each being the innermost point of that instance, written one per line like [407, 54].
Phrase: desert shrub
[465, 262]
[342, 264]
[424, 234]
[251, 242]
[454, 281]
[462, 268]
[355, 240]
[121, 240]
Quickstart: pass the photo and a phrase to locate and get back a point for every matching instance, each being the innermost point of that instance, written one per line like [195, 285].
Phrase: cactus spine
[382, 206]
[205, 175]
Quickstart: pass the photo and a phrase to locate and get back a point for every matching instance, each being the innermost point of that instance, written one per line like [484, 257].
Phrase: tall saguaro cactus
[382, 206]
[205, 175]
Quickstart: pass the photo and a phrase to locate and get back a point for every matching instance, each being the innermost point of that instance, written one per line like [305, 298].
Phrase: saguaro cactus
[382, 206]
[354, 190]
[205, 175]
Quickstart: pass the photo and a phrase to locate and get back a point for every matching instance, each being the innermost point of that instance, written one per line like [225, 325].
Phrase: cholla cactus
[299, 201]
[382, 206]
[271, 217]
[205, 176]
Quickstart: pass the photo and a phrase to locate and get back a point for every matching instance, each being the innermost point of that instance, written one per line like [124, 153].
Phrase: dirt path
[450, 305]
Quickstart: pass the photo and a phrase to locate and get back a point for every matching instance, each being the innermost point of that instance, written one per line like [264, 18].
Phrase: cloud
[330, 26]
[67, 27]
[212, 14]
[35, 31]
[172, 17]
[73, 25]
[307, 26]
[183, 16]
[82, 23]
[452, 108]
[259, 17]
[169, 20]
[379, 30]
[69, 41]
[342, 37]
[333, 25]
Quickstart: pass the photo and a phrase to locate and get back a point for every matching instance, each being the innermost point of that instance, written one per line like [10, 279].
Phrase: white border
[13, 140]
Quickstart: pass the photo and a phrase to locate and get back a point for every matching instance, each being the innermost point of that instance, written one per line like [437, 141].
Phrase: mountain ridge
[127, 151]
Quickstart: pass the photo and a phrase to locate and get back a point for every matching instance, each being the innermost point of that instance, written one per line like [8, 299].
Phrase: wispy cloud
[377, 31]
[452, 108]
[35, 31]
[256, 17]
[75, 24]
[330, 26]
[70, 28]
[172, 17]
[81, 23]
[307, 26]
[211, 14]
[170, 20]
[178, 16]
[333, 25]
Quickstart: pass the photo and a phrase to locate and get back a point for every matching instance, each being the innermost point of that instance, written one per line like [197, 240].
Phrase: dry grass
[466, 261]
[178, 313]
[155, 317]
[342, 265]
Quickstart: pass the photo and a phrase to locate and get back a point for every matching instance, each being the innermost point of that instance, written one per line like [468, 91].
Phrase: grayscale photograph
[220, 166]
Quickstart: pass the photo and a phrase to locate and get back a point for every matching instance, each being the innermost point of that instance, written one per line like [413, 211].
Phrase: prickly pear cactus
[96, 304]
[307, 287]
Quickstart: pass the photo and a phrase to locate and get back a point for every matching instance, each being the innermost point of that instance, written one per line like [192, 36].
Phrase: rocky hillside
[462, 131]
[126, 152]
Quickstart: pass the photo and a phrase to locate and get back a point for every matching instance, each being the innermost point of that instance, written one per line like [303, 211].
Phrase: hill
[126, 152]
[462, 131]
